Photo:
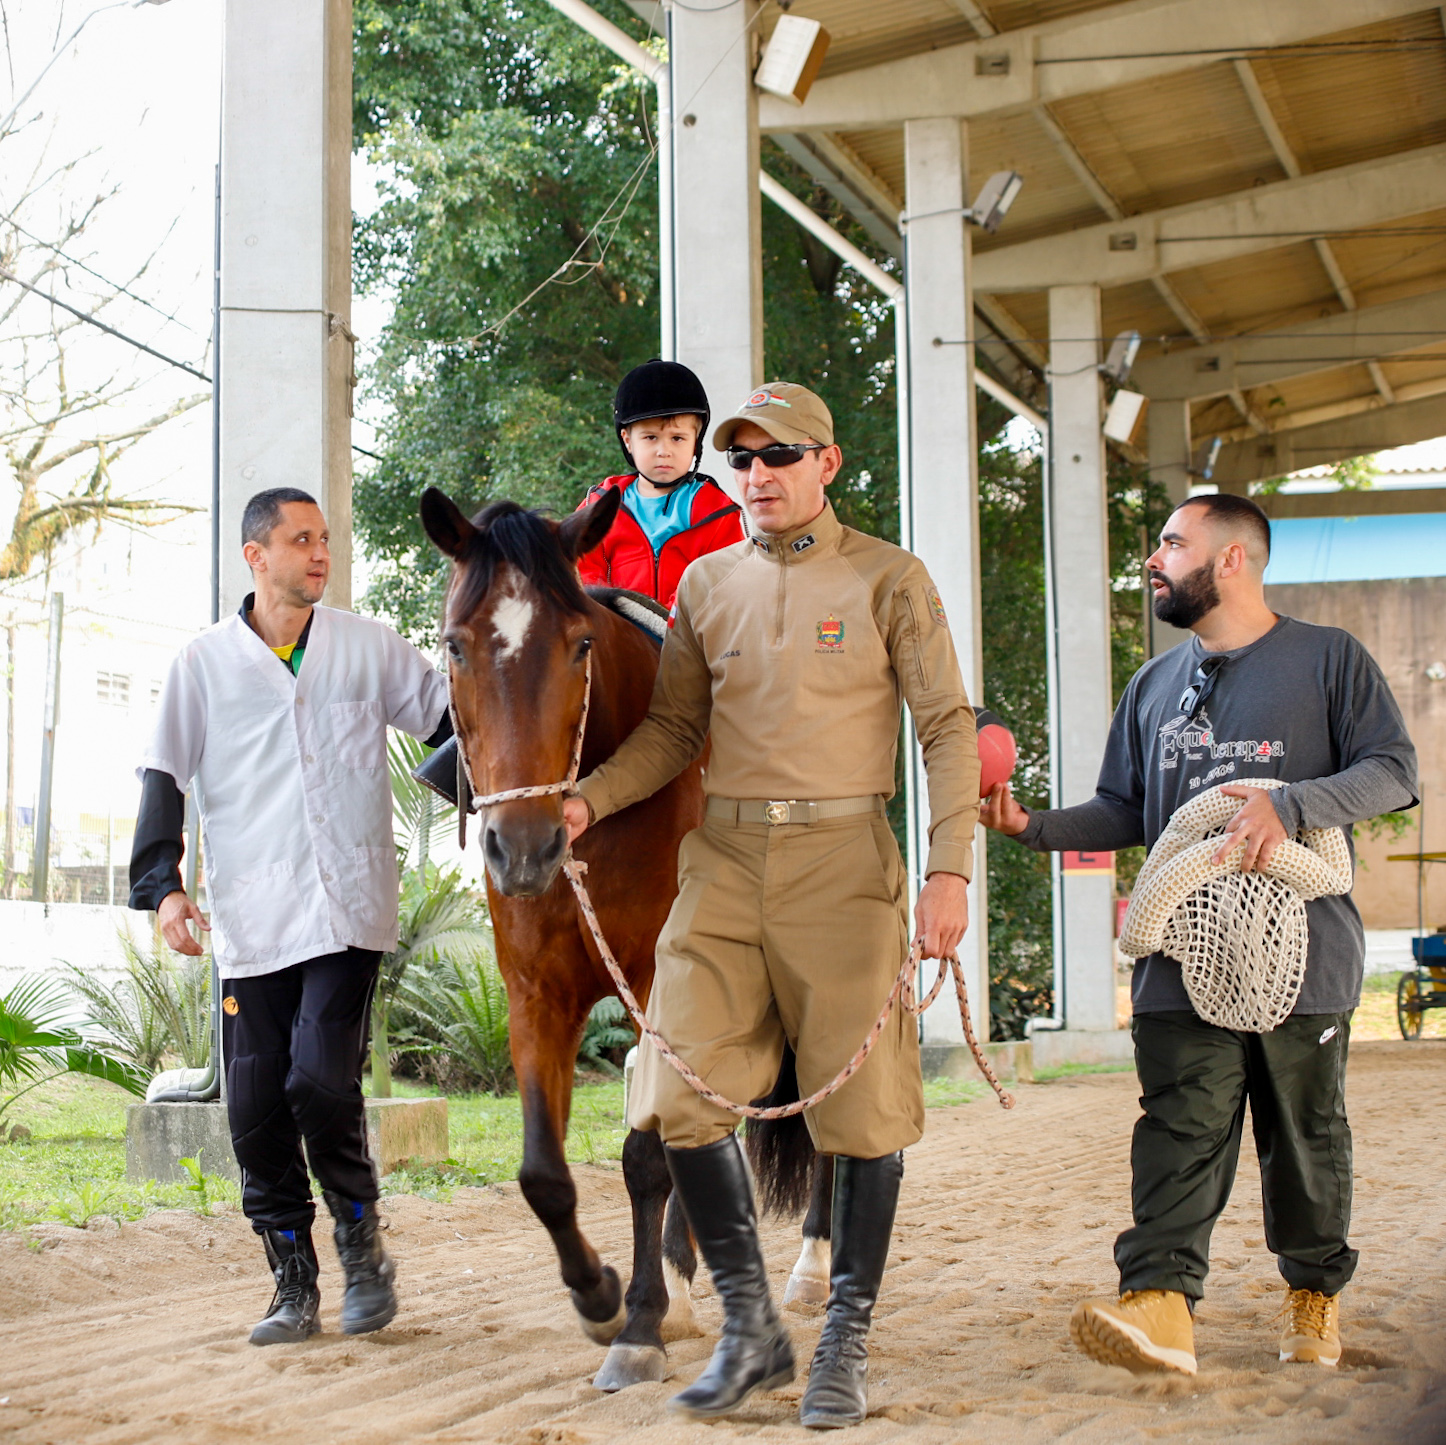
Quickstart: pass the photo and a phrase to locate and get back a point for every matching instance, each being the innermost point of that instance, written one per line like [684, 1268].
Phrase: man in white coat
[289, 765]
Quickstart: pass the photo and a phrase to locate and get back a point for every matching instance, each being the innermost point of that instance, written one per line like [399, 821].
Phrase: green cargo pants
[1196, 1080]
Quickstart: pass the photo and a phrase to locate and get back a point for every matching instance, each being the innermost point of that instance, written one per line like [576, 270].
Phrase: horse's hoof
[631, 1365]
[604, 1332]
[680, 1323]
[809, 1282]
[801, 1291]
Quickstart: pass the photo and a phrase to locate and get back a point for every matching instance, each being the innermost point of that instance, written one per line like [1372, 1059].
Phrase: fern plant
[160, 1009]
[459, 1008]
[607, 1028]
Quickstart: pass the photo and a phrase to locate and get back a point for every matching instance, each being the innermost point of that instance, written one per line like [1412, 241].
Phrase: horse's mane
[508, 533]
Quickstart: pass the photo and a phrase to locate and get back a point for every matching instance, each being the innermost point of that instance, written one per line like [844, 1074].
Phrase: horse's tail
[781, 1150]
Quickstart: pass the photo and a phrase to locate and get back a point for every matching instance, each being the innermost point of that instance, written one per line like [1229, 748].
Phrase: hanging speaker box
[1125, 420]
[794, 56]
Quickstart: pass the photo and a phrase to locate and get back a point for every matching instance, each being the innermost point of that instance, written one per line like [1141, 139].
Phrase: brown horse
[518, 631]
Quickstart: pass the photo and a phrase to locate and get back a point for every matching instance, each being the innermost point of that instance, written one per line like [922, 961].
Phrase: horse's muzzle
[523, 855]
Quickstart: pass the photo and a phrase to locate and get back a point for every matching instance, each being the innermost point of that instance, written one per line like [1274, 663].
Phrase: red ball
[997, 756]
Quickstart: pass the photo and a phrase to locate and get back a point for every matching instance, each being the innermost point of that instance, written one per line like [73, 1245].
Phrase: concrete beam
[1250, 361]
[1079, 604]
[286, 355]
[1349, 406]
[1257, 458]
[1118, 253]
[717, 206]
[1398, 501]
[880, 225]
[1063, 58]
[939, 498]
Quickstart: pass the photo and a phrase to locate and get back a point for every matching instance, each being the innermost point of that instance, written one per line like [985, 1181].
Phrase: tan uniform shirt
[794, 653]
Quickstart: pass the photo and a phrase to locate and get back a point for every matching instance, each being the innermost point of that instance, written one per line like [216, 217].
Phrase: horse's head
[517, 628]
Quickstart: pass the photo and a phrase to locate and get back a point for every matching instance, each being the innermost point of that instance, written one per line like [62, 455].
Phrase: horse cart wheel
[1408, 1006]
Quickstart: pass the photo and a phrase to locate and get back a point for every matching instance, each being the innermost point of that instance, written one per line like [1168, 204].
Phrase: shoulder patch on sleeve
[936, 606]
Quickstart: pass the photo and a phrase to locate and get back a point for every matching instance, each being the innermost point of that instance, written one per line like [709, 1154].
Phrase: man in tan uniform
[793, 650]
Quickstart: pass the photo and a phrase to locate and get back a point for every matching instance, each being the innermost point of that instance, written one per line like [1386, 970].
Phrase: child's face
[662, 448]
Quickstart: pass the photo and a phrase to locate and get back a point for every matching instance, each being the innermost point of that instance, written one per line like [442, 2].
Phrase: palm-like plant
[460, 1004]
[162, 1006]
[35, 1046]
[442, 931]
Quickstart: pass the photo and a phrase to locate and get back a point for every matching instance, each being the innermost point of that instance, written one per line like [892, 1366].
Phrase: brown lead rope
[904, 991]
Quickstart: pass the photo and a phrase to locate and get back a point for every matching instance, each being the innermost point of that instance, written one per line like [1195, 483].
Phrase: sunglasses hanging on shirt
[776, 454]
[1192, 700]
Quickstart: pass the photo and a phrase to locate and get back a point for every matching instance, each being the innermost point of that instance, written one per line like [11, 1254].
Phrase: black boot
[370, 1300]
[754, 1352]
[292, 1316]
[865, 1194]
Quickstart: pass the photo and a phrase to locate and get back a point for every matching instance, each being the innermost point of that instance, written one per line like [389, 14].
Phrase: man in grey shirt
[1252, 696]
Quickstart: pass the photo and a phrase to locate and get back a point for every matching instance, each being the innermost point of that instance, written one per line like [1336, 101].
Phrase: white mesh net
[1240, 938]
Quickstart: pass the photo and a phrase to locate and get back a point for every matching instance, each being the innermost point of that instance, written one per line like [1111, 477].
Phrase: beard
[1185, 602]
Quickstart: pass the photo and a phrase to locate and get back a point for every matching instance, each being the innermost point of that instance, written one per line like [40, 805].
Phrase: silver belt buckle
[777, 813]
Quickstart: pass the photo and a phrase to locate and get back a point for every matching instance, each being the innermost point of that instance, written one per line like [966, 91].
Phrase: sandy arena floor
[138, 1334]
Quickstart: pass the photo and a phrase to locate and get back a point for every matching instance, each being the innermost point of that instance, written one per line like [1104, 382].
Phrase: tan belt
[778, 812]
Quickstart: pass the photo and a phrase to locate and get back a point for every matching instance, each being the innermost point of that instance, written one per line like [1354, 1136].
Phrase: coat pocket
[359, 734]
[262, 914]
[378, 884]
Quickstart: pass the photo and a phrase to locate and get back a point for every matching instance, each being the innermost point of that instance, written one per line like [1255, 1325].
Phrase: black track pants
[294, 1048]
[1196, 1080]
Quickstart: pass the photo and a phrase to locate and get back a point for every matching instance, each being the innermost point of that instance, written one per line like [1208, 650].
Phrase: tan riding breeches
[793, 932]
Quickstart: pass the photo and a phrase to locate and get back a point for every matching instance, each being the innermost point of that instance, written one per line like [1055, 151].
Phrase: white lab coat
[292, 782]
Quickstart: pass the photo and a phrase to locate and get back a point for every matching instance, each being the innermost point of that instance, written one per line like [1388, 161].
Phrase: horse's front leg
[544, 1049]
[809, 1282]
[638, 1353]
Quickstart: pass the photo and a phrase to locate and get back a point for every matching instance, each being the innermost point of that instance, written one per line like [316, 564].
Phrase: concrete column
[718, 271]
[939, 495]
[1080, 606]
[286, 348]
[1170, 456]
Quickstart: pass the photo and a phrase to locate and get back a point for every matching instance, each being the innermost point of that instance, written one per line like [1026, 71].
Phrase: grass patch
[941, 1093]
[1071, 1071]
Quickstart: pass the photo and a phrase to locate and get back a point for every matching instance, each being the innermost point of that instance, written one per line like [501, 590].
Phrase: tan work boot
[1312, 1333]
[1143, 1330]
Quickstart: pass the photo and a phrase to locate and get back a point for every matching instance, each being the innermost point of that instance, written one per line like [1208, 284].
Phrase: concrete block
[409, 1133]
[158, 1136]
[1053, 1048]
[400, 1132]
[1013, 1061]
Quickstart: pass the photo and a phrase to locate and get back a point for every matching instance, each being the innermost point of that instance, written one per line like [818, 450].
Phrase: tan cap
[786, 411]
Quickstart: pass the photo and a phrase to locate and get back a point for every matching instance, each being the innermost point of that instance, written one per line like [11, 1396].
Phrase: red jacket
[625, 558]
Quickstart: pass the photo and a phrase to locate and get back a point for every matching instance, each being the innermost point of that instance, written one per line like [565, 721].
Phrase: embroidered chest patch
[830, 635]
[936, 607]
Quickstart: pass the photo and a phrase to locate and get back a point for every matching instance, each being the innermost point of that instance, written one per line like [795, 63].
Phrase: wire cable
[109, 330]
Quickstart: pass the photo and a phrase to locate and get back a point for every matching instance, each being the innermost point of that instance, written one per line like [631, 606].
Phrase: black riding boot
[292, 1316]
[753, 1352]
[369, 1301]
[865, 1194]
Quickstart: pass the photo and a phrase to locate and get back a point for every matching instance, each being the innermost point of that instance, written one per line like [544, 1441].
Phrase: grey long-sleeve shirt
[1304, 704]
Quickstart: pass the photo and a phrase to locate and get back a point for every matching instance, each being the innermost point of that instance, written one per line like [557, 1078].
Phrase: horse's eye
[584, 647]
[453, 650]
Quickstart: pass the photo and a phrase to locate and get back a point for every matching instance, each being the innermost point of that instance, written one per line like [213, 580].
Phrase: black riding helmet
[661, 388]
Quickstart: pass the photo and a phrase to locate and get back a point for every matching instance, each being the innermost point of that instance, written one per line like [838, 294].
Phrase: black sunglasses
[1192, 700]
[775, 454]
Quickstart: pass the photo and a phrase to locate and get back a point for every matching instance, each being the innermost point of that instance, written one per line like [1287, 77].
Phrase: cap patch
[936, 606]
[830, 635]
[766, 398]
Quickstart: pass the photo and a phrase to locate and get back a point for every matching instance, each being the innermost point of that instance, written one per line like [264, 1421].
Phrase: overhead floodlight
[1125, 419]
[794, 56]
[1205, 460]
[996, 196]
[1123, 350]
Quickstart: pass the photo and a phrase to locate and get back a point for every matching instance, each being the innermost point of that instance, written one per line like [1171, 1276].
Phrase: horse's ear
[582, 531]
[444, 522]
